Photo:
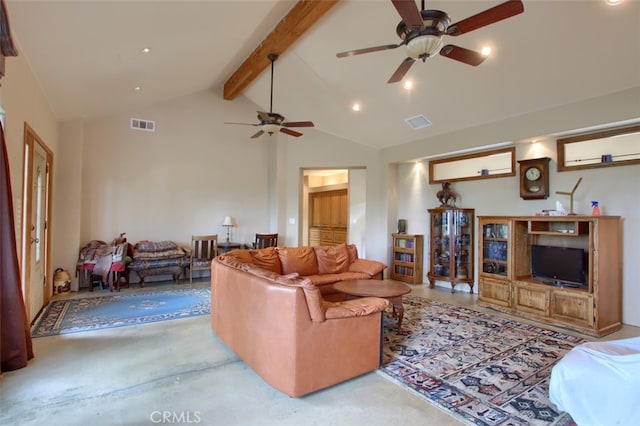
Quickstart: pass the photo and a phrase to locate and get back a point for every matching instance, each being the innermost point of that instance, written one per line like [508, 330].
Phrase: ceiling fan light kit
[272, 122]
[422, 31]
[270, 128]
[425, 42]
[423, 47]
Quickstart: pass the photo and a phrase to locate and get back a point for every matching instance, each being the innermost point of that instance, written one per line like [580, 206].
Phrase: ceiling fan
[272, 122]
[422, 32]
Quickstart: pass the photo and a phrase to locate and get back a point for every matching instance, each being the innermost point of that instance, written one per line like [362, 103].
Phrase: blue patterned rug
[94, 313]
[480, 368]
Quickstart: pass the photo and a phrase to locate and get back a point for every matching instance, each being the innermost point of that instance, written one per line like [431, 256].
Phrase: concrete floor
[179, 372]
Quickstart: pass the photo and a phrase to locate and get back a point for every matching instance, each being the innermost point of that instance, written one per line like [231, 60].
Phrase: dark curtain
[15, 337]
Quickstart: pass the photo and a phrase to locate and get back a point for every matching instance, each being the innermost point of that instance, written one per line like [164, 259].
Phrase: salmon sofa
[280, 325]
[322, 265]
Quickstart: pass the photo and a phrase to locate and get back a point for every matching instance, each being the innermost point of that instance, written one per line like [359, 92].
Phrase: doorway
[334, 182]
[37, 183]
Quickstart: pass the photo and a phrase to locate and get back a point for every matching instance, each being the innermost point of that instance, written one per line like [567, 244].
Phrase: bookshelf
[406, 258]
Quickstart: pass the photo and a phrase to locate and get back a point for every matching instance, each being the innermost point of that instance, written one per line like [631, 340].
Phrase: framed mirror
[606, 148]
[479, 165]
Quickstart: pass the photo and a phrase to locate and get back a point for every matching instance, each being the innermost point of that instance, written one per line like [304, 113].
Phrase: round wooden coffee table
[387, 289]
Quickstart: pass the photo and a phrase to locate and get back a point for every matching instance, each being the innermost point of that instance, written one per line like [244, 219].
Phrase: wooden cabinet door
[344, 210]
[494, 292]
[316, 210]
[334, 213]
[572, 307]
[532, 298]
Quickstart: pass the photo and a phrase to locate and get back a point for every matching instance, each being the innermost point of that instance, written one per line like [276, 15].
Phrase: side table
[228, 246]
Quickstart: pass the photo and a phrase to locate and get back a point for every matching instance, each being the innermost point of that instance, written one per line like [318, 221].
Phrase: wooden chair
[265, 240]
[203, 249]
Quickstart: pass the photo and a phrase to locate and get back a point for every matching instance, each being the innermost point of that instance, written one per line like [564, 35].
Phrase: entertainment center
[562, 270]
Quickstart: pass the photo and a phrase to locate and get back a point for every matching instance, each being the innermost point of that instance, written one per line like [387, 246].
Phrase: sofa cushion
[153, 246]
[369, 267]
[356, 307]
[268, 259]
[332, 259]
[243, 256]
[234, 262]
[353, 252]
[298, 259]
[324, 279]
[274, 277]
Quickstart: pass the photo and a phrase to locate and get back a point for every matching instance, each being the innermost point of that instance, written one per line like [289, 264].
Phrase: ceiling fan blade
[488, 17]
[260, 132]
[469, 57]
[298, 124]
[290, 132]
[264, 116]
[402, 70]
[408, 11]
[243, 124]
[368, 50]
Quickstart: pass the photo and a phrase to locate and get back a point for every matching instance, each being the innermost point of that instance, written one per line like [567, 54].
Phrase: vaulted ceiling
[87, 57]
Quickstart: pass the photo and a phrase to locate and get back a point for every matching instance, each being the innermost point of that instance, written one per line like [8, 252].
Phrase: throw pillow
[298, 259]
[332, 259]
[267, 258]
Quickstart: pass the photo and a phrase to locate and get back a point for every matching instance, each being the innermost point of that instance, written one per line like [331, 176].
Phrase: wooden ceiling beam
[301, 17]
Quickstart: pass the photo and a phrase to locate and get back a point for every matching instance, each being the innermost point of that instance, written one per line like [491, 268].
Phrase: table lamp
[227, 224]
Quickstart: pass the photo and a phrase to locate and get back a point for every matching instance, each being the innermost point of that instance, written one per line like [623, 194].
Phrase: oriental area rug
[122, 309]
[480, 368]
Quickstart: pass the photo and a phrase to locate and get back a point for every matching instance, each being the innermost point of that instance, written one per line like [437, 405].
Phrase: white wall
[183, 178]
[180, 180]
[24, 102]
[68, 190]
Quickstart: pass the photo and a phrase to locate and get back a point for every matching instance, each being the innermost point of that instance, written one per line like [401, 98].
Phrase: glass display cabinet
[451, 246]
[495, 244]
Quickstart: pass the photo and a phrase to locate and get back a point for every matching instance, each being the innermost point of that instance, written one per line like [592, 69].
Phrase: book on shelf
[405, 243]
[404, 257]
[404, 270]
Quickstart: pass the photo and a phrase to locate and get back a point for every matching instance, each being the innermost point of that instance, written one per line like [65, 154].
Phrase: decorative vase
[402, 226]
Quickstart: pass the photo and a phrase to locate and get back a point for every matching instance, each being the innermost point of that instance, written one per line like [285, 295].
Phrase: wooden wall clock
[534, 178]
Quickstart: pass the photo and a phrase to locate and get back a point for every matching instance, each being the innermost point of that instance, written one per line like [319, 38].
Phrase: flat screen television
[562, 266]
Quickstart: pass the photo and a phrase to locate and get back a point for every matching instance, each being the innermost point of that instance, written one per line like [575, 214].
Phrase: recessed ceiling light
[355, 106]
[137, 88]
[486, 51]
[146, 50]
[613, 2]
[408, 84]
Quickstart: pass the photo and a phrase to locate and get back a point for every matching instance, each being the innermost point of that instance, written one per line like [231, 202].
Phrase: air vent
[418, 122]
[149, 126]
